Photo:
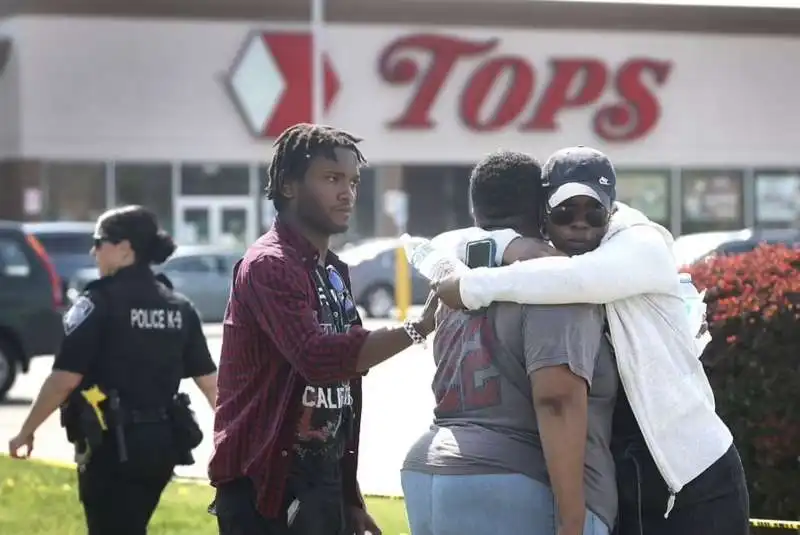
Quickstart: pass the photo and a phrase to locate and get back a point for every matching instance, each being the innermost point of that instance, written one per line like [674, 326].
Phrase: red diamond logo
[271, 81]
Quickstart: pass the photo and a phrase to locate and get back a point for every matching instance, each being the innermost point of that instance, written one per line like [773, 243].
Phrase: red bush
[753, 363]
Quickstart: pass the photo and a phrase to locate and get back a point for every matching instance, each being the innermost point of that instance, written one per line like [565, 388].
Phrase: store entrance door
[225, 221]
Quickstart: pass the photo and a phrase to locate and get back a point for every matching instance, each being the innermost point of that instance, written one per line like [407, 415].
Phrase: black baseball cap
[577, 171]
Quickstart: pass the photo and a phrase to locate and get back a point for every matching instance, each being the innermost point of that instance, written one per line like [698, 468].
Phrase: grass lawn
[38, 499]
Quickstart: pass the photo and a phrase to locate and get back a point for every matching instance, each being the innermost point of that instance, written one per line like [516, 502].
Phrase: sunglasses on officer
[566, 214]
[100, 240]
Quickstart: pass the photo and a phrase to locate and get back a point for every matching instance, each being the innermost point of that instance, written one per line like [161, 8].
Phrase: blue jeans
[483, 505]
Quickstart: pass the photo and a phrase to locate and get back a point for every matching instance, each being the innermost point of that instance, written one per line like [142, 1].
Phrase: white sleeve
[635, 261]
[455, 242]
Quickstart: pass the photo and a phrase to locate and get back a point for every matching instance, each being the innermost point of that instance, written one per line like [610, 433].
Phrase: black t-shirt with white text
[326, 410]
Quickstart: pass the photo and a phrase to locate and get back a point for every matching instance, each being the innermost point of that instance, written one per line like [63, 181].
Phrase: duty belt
[147, 416]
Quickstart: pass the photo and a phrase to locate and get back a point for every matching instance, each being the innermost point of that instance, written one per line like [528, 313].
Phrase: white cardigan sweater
[633, 273]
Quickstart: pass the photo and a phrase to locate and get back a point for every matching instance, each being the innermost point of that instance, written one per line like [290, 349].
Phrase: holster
[186, 430]
[116, 418]
[83, 428]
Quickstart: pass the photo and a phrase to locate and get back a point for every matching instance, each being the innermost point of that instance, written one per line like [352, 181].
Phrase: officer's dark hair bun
[139, 226]
[161, 247]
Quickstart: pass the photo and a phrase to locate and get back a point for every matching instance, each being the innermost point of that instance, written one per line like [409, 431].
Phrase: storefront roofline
[732, 16]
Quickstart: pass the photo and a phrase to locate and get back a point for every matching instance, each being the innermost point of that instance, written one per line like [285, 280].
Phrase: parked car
[372, 274]
[68, 243]
[692, 248]
[31, 303]
[689, 248]
[203, 273]
[787, 237]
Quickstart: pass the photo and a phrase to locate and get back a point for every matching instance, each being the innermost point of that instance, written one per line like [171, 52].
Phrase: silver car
[202, 273]
[372, 275]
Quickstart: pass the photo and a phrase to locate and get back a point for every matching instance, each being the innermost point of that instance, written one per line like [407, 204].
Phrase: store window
[212, 179]
[364, 224]
[777, 200]
[647, 191]
[149, 185]
[712, 200]
[74, 191]
[438, 198]
[267, 208]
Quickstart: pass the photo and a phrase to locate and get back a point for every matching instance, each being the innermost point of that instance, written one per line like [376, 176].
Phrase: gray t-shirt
[484, 421]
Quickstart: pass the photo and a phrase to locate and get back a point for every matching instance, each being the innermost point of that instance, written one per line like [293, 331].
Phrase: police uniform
[130, 334]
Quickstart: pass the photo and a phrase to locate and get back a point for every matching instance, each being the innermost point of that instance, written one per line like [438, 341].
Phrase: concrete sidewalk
[212, 330]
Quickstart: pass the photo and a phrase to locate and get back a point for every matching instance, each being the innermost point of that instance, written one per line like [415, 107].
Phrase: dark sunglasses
[100, 240]
[566, 215]
[345, 299]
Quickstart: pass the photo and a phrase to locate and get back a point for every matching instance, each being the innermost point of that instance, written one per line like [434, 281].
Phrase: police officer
[129, 340]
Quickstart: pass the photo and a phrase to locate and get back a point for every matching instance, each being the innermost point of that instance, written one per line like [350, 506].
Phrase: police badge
[77, 314]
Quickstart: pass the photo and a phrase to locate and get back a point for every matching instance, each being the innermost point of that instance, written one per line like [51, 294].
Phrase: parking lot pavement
[398, 407]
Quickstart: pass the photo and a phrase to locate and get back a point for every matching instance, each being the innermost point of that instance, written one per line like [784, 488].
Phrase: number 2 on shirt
[475, 383]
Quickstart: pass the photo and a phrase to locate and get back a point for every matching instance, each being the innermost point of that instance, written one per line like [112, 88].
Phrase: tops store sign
[574, 82]
[270, 82]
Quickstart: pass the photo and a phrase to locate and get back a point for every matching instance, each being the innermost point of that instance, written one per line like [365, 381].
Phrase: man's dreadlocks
[295, 148]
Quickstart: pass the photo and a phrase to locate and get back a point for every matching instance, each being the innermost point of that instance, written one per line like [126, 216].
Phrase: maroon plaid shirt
[272, 345]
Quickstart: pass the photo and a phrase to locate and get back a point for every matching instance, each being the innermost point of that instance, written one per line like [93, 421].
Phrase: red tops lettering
[573, 83]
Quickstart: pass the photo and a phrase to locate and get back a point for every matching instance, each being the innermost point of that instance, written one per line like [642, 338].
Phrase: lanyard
[328, 299]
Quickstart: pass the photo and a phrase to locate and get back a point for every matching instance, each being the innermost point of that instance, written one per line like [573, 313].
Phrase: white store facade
[180, 115]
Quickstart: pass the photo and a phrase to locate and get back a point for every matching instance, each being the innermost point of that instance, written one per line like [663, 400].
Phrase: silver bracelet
[413, 333]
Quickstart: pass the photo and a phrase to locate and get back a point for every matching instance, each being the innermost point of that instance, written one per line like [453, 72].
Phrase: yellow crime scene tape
[774, 524]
